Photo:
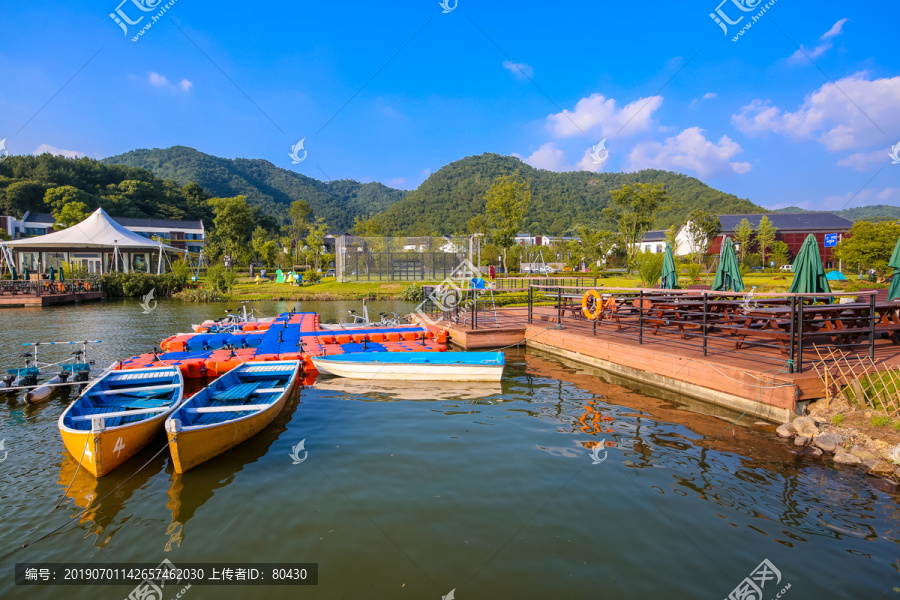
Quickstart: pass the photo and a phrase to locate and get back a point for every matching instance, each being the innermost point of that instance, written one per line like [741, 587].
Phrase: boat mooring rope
[84, 512]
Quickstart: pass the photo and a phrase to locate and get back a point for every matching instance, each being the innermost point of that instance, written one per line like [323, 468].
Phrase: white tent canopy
[97, 231]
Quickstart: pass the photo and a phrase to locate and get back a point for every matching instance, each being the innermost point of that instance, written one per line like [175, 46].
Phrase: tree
[597, 245]
[367, 226]
[56, 198]
[743, 236]
[71, 214]
[635, 208]
[299, 213]
[781, 254]
[672, 239]
[316, 242]
[702, 229]
[868, 245]
[505, 205]
[765, 237]
[233, 220]
[23, 196]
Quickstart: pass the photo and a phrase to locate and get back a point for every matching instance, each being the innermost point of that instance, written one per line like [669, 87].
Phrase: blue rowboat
[417, 366]
[233, 408]
[118, 414]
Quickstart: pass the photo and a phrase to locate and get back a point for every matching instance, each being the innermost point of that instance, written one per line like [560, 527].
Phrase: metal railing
[756, 324]
[44, 287]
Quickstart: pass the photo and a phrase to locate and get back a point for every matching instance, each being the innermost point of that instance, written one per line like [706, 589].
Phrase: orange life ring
[591, 313]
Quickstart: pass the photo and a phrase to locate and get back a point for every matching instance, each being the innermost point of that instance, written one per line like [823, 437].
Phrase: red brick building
[792, 230]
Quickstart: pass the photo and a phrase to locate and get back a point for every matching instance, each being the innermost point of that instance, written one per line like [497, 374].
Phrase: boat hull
[101, 452]
[192, 446]
[104, 451]
[408, 371]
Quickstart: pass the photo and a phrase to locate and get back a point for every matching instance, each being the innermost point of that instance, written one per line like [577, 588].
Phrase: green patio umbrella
[728, 273]
[809, 275]
[52, 274]
[669, 278]
[15, 274]
[26, 275]
[62, 275]
[894, 263]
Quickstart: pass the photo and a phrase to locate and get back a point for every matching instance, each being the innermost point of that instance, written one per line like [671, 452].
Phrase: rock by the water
[786, 430]
[877, 467]
[864, 453]
[827, 441]
[801, 440]
[805, 426]
[843, 458]
[815, 451]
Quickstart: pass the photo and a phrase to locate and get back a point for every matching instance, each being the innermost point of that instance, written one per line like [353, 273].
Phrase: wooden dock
[28, 300]
[757, 379]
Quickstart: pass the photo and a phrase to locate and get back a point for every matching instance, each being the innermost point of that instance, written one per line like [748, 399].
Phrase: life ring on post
[591, 309]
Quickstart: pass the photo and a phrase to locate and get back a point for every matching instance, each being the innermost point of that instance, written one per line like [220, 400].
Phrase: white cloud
[520, 70]
[863, 198]
[689, 150]
[829, 116]
[44, 148]
[598, 114]
[547, 157]
[157, 80]
[398, 182]
[706, 96]
[862, 160]
[835, 30]
[160, 81]
[802, 53]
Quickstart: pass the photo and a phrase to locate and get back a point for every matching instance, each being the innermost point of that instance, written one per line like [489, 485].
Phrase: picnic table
[844, 323]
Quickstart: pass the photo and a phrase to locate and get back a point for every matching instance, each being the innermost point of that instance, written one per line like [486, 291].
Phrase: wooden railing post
[705, 314]
[641, 317]
[872, 327]
[530, 304]
[791, 348]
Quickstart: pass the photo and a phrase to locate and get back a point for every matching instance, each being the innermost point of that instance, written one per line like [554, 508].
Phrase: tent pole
[159, 263]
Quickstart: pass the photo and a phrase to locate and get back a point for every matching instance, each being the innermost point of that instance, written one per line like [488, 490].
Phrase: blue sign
[831, 240]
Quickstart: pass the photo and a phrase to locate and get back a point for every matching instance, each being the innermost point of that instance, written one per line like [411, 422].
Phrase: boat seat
[238, 392]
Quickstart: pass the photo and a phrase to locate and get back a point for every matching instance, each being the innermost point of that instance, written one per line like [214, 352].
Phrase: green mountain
[875, 212]
[265, 185]
[446, 201]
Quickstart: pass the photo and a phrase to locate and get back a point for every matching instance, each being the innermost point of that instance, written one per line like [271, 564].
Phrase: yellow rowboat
[232, 409]
[118, 414]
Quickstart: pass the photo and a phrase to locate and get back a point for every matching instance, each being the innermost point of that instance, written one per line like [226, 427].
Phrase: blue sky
[393, 91]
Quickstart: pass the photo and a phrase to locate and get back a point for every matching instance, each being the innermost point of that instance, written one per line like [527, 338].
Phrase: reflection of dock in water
[188, 492]
[387, 391]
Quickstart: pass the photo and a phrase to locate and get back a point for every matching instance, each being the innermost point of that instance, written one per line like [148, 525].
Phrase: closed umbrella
[62, 275]
[809, 275]
[894, 263]
[15, 274]
[669, 278]
[26, 275]
[728, 273]
[52, 274]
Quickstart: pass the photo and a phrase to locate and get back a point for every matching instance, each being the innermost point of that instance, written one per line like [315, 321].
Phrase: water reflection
[387, 391]
[764, 484]
[188, 492]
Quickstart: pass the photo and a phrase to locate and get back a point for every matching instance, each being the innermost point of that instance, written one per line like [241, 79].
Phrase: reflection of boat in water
[411, 390]
[188, 492]
[86, 491]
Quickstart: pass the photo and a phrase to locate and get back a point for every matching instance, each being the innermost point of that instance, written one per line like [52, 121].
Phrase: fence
[48, 288]
[364, 259]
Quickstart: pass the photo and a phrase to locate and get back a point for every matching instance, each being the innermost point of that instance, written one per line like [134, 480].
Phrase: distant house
[653, 241]
[793, 228]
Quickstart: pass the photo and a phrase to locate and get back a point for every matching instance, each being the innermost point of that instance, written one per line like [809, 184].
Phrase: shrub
[694, 271]
[412, 293]
[881, 421]
[649, 266]
[312, 276]
[200, 295]
[837, 419]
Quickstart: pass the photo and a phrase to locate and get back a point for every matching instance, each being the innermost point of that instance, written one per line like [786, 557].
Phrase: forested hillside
[875, 212]
[270, 188]
[122, 191]
[561, 202]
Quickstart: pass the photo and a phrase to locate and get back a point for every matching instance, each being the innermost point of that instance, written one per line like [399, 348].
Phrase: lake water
[411, 491]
